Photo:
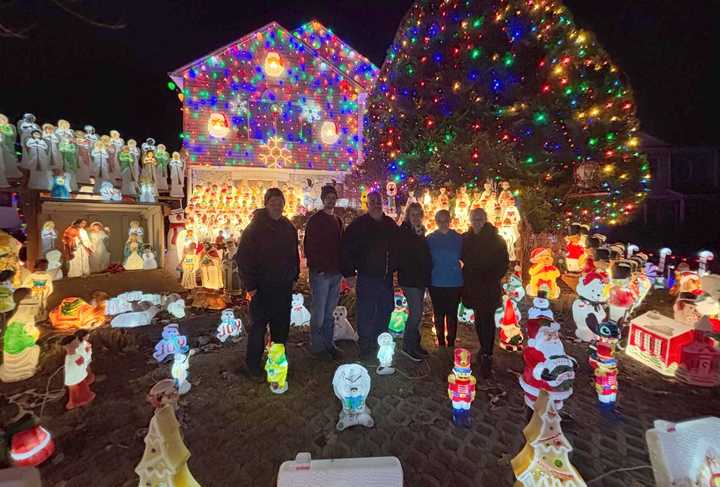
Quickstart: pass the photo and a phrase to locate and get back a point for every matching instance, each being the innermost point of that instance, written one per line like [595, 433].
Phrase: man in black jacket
[367, 249]
[322, 250]
[485, 262]
[269, 265]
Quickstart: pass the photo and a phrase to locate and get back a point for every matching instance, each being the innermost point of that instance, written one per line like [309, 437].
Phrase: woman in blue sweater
[447, 280]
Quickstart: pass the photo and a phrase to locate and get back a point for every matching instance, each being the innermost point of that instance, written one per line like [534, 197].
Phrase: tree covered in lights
[507, 89]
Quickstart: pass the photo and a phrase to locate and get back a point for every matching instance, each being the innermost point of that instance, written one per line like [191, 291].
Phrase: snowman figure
[148, 256]
[179, 372]
[299, 314]
[589, 308]
[54, 258]
[343, 330]
[351, 384]
[541, 307]
[229, 325]
[172, 342]
[385, 354]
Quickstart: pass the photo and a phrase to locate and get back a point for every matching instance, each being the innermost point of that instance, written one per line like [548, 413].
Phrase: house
[686, 181]
[657, 341]
[275, 106]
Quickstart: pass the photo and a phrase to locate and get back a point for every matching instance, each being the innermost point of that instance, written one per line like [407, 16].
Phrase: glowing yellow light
[580, 38]
[273, 65]
[594, 112]
[633, 142]
[558, 70]
[608, 168]
[456, 86]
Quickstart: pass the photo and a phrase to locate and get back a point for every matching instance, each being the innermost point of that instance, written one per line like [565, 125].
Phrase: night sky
[116, 79]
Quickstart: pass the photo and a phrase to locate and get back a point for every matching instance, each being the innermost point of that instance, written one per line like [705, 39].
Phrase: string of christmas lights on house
[513, 90]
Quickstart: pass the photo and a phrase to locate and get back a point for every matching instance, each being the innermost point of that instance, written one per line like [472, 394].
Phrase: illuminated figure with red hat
[78, 354]
[508, 316]
[588, 309]
[687, 289]
[543, 273]
[575, 253]
[603, 362]
[547, 366]
[461, 388]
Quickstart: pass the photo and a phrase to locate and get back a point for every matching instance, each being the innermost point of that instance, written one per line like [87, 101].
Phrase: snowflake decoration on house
[239, 106]
[275, 154]
[311, 111]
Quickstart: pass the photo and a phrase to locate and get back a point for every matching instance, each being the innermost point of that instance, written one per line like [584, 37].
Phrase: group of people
[453, 267]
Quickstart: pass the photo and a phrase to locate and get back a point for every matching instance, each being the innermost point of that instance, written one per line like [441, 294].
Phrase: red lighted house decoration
[700, 359]
[277, 99]
[657, 341]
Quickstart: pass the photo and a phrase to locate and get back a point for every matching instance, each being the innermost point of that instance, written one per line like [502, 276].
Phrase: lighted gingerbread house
[700, 359]
[657, 341]
[275, 106]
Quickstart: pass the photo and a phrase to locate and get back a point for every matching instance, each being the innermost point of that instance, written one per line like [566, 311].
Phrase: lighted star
[275, 154]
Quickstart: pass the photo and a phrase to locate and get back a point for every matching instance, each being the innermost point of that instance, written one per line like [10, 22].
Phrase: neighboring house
[686, 182]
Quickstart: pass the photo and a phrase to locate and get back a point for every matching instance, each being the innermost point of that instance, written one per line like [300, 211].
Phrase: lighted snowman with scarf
[589, 308]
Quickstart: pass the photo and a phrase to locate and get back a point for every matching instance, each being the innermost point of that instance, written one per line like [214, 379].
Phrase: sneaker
[412, 355]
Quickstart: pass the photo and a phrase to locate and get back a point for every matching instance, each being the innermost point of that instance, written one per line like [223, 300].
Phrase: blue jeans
[325, 294]
[374, 306]
[415, 297]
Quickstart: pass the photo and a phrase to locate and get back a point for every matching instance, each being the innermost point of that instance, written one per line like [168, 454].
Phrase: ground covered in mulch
[239, 433]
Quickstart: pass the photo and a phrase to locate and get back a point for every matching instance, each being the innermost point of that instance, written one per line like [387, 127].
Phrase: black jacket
[268, 252]
[367, 247]
[322, 242]
[485, 262]
[414, 262]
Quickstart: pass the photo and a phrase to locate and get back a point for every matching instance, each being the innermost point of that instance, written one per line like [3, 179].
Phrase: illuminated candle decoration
[273, 66]
[276, 367]
[351, 384]
[299, 314]
[544, 460]
[218, 125]
[385, 354]
[461, 388]
[294, 100]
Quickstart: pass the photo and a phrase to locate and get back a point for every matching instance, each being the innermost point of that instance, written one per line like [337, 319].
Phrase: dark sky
[117, 78]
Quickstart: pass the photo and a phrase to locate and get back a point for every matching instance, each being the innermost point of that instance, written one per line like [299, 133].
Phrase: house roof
[317, 39]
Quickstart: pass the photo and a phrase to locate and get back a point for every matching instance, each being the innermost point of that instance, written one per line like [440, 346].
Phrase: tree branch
[87, 19]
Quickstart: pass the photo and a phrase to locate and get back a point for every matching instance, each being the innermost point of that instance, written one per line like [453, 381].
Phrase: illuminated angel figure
[8, 158]
[161, 169]
[116, 143]
[177, 172]
[37, 160]
[101, 164]
[25, 127]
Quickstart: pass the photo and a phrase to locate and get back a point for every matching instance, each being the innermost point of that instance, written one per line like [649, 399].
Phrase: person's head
[478, 219]
[80, 223]
[414, 214]
[328, 195]
[41, 265]
[274, 203]
[374, 203]
[442, 219]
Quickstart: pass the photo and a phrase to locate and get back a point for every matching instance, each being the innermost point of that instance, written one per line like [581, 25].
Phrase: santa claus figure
[547, 367]
[78, 354]
[622, 297]
[461, 388]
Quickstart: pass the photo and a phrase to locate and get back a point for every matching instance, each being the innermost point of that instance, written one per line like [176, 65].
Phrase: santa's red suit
[547, 367]
[574, 250]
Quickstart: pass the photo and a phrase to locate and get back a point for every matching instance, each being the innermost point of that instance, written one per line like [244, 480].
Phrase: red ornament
[31, 447]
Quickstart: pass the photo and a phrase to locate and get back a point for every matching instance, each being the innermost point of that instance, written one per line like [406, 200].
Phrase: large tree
[507, 89]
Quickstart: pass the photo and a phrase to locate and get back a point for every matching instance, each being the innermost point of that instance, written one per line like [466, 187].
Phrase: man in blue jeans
[368, 250]
[322, 251]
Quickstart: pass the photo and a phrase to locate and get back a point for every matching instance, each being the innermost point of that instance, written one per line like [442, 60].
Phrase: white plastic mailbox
[343, 472]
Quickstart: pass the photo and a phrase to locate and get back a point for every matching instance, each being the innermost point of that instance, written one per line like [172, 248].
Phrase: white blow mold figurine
[351, 384]
[541, 307]
[343, 330]
[229, 326]
[179, 372]
[299, 314]
[385, 354]
[589, 308]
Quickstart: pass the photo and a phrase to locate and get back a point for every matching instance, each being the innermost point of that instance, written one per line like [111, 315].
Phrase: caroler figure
[461, 388]
[161, 170]
[148, 180]
[8, 157]
[177, 172]
[78, 354]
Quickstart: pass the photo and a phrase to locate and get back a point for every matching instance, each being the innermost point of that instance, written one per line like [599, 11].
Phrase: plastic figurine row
[60, 159]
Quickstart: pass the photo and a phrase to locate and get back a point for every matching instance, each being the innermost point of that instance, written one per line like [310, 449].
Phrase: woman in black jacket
[414, 264]
[485, 262]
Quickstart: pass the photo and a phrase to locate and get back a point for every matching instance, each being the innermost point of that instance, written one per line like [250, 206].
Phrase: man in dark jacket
[269, 264]
[485, 262]
[367, 249]
[322, 250]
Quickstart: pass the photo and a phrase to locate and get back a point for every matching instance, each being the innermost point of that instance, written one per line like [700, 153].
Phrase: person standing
[323, 234]
[269, 264]
[367, 249]
[485, 262]
[414, 265]
[447, 279]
